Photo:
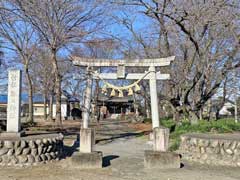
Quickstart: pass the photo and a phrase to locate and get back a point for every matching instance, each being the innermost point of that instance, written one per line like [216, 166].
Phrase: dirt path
[123, 160]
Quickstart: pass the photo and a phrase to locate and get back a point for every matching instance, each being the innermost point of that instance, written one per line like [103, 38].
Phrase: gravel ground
[123, 160]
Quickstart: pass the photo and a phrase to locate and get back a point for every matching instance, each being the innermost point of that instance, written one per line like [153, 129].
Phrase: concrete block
[160, 139]
[87, 139]
[12, 134]
[91, 160]
[161, 160]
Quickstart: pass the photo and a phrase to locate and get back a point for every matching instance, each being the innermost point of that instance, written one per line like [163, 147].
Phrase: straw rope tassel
[130, 87]
[130, 92]
[113, 93]
[137, 88]
[120, 93]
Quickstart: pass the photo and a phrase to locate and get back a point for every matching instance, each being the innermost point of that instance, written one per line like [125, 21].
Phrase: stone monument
[30, 149]
[14, 104]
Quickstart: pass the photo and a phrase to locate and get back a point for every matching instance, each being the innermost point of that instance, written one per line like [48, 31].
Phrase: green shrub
[147, 120]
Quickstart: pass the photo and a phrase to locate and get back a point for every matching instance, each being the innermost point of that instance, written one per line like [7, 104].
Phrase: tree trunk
[236, 112]
[217, 114]
[176, 116]
[45, 106]
[201, 114]
[57, 75]
[30, 95]
[96, 99]
[194, 119]
[146, 107]
[50, 113]
[175, 112]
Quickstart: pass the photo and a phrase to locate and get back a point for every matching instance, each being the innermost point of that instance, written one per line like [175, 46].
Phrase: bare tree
[3, 73]
[43, 77]
[204, 35]
[20, 38]
[60, 23]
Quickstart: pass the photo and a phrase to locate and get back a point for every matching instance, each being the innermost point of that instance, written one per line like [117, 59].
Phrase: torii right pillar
[154, 97]
[159, 157]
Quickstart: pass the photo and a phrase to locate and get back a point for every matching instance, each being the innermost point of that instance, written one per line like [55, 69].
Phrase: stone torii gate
[152, 76]
[89, 158]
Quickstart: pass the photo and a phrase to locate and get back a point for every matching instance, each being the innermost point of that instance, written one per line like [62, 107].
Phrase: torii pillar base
[160, 157]
[161, 160]
[92, 160]
[87, 158]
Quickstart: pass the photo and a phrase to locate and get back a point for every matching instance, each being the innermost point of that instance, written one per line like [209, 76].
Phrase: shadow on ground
[69, 150]
[122, 135]
[107, 160]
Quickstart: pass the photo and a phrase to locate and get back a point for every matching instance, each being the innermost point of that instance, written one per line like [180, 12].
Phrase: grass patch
[220, 126]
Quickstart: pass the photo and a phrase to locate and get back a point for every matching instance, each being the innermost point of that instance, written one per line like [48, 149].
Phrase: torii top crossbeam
[79, 61]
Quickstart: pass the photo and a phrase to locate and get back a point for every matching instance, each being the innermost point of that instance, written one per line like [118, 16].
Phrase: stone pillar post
[160, 139]
[154, 97]
[87, 139]
[87, 99]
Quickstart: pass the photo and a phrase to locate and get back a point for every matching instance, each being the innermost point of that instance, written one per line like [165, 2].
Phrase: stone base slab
[91, 160]
[161, 160]
[12, 134]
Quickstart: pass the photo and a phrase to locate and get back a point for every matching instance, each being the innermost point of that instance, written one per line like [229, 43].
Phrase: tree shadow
[107, 160]
[181, 165]
[122, 135]
[69, 150]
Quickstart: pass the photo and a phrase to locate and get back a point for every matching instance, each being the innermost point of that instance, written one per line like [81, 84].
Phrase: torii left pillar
[87, 157]
[154, 97]
[86, 133]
